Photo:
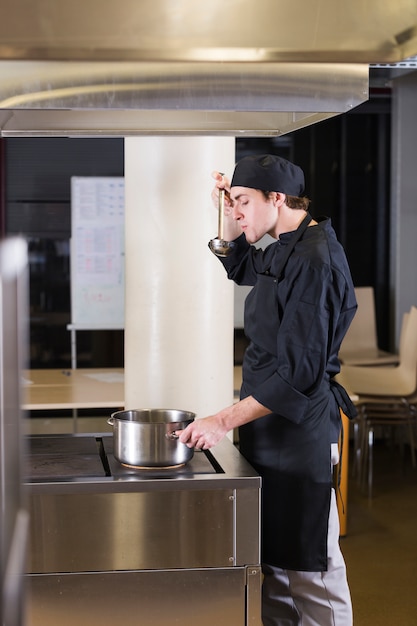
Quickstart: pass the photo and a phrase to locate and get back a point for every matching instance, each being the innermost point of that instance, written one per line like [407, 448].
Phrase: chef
[288, 416]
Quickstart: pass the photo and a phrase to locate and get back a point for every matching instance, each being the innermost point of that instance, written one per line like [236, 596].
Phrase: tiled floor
[380, 547]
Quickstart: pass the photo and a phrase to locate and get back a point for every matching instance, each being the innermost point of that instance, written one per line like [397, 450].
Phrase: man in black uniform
[296, 316]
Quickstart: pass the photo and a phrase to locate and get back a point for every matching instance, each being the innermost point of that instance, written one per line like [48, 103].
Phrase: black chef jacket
[295, 322]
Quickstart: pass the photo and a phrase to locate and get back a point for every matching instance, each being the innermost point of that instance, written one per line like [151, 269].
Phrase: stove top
[53, 458]
[71, 457]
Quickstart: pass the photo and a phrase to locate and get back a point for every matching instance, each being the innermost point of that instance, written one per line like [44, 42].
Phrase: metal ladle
[219, 246]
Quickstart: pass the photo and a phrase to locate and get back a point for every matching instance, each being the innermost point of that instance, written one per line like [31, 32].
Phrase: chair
[360, 344]
[386, 398]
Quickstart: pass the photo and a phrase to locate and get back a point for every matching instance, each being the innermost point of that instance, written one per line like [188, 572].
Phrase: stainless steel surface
[98, 68]
[163, 543]
[132, 531]
[158, 598]
[39, 98]
[146, 518]
[219, 246]
[243, 30]
[14, 596]
[146, 437]
[13, 513]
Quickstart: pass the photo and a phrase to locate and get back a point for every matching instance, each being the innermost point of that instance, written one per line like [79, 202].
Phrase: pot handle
[110, 421]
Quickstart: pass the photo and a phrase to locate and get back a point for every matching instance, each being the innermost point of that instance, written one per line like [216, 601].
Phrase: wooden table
[84, 388]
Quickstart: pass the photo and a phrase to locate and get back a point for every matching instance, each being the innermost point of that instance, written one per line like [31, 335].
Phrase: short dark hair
[292, 202]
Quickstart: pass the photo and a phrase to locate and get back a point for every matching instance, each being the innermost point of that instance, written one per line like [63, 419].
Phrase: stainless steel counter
[147, 546]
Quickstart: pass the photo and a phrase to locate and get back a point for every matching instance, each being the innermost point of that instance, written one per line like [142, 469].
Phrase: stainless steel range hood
[101, 67]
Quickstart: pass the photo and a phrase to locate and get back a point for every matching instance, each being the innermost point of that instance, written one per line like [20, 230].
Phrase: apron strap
[343, 400]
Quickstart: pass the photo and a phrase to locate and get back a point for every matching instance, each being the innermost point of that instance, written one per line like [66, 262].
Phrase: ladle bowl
[221, 247]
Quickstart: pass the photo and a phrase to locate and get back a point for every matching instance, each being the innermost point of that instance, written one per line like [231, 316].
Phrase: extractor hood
[128, 98]
[241, 67]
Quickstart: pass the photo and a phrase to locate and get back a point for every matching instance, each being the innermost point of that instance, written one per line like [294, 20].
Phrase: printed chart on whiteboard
[97, 252]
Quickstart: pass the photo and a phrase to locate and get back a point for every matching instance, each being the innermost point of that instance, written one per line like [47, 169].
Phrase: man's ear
[280, 198]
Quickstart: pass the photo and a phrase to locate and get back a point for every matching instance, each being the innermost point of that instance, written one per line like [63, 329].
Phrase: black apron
[293, 459]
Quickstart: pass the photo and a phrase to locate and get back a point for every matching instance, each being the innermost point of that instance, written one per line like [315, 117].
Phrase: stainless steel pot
[146, 437]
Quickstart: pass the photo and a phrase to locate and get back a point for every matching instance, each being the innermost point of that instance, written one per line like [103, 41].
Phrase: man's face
[255, 214]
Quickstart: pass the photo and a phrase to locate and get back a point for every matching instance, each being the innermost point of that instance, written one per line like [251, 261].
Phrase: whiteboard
[97, 252]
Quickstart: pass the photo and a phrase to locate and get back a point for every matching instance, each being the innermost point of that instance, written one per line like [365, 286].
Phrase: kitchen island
[141, 546]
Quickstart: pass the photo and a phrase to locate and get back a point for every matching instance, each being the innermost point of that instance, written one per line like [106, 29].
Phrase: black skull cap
[269, 172]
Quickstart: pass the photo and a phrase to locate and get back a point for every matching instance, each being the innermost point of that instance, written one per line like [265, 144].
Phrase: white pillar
[179, 302]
